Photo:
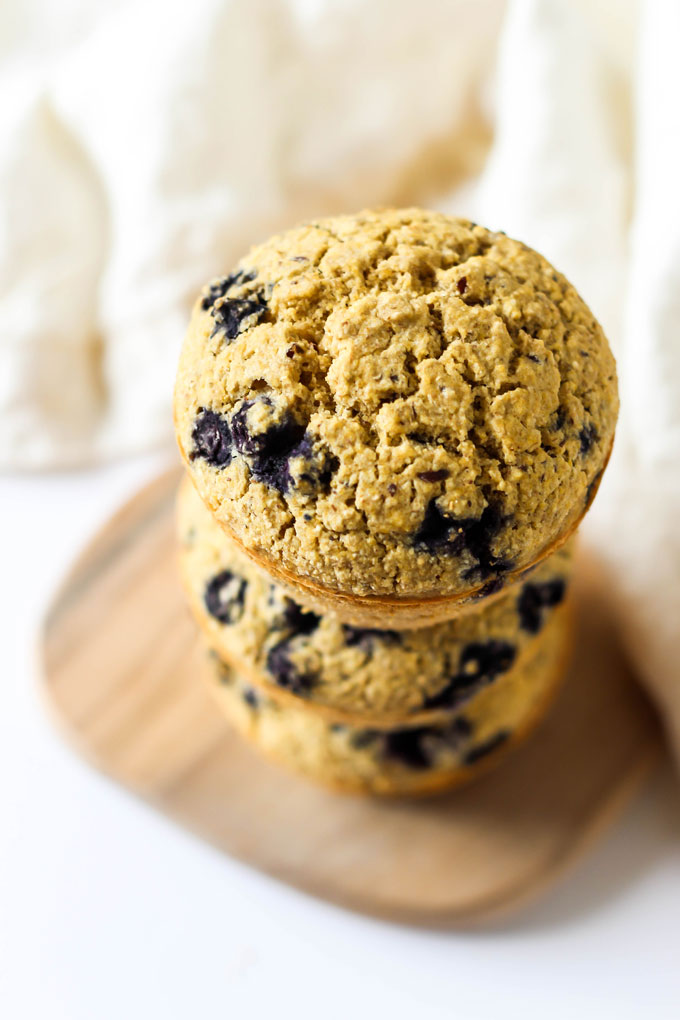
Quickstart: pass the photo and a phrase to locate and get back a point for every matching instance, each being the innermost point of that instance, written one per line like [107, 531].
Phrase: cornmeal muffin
[378, 677]
[404, 760]
[395, 412]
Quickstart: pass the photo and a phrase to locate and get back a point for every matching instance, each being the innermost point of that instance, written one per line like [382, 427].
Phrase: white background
[109, 911]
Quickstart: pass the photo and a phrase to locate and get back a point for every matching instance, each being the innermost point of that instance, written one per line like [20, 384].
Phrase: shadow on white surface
[644, 842]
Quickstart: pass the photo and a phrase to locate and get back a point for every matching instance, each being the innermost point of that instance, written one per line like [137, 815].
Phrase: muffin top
[395, 403]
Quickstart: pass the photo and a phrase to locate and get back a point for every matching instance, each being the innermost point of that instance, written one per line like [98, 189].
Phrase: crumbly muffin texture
[397, 402]
[381, 676]
[402, 760]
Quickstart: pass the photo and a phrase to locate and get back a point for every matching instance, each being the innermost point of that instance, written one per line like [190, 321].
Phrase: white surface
[107, 911]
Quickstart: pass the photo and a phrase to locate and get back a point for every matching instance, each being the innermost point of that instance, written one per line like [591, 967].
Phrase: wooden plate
[122, 675]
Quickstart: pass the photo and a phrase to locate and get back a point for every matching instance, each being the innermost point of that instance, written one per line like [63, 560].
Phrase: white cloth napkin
[144, 146]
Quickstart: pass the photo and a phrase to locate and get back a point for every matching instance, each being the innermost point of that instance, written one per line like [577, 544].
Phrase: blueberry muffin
[403, 760]
[348, 673]
[395, 412]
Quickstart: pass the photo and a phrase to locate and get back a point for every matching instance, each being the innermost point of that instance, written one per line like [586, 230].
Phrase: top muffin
[397, 403]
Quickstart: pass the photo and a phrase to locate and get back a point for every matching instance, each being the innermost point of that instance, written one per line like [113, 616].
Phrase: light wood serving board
[122, 674]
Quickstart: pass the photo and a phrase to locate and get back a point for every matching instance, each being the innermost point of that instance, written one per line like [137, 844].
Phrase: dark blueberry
[268, 452]
[250, 697]
[455, 693]
[320, 464]
[460, 727]
[364, 637]
[224, 596]
[285, 673]
[439, 533]
[219, 288]
[244, 442]
[481, 750]
[462, 285]
[587, 436]
[560, 419]
[478, 536]
[593, 487]
[480, 663]
[212, 439]
[435, 529]
[416, 747]
[391, 488]
[434, 476]
[299, 620]
[491, 587]
[232, 313]
[489, 658]
[408, 747]
[534, 598]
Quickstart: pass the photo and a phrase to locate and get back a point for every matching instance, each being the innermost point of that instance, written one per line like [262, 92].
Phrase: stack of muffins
[392, 425]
